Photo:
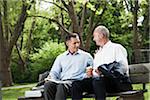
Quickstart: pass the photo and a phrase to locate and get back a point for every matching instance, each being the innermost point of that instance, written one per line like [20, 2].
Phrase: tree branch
[90, 30]
[53, 20]
[65, 5]
[19, 25]
[83, 16]
[19, 54]
[55, 5]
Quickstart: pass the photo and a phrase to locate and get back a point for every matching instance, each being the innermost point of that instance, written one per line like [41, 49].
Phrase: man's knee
[98, 83]
[60, 87]
[76, 84]
[48, 85]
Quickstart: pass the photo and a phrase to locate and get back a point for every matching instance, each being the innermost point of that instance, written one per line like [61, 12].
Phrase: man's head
[73, 42]
[101, 35]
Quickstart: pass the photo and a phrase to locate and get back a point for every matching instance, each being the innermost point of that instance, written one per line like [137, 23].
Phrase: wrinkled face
[99, 39]
[73, 44]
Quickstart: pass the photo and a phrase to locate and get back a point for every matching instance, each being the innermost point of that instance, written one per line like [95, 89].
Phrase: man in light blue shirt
[68, 67]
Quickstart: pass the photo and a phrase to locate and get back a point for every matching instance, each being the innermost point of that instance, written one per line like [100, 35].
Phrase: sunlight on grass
[13, 94]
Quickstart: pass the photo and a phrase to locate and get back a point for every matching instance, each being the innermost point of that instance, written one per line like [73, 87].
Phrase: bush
[39, 62]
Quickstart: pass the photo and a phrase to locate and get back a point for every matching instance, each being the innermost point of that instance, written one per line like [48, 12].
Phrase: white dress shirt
[109, 53]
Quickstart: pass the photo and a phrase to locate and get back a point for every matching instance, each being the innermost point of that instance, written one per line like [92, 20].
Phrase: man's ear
[101, 36]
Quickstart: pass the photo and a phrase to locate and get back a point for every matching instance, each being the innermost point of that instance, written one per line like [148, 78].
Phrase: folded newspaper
[36, 93]
[59, 81]
[41, 88]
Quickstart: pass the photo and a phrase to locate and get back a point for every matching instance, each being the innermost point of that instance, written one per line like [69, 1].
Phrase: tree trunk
[4, 66]
[6, 45]
[89, 33]
[29, 42]
[5, 72]
[136, 44]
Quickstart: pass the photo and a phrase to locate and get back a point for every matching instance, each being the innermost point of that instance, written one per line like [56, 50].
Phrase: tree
[80, 17]
[9, 34]
[138, 34]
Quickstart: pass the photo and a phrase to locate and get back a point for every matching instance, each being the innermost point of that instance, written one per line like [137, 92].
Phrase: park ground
[13, 92]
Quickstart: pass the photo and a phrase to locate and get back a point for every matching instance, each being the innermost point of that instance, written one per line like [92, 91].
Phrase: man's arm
[56, 69]
[89, 64]
[121, 57]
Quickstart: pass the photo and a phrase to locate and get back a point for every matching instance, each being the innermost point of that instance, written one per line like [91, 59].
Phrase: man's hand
[89, 72]
[47, 79]
[98, 72]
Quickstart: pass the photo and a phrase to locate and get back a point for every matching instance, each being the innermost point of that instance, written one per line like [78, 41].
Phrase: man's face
[73, 44]
[99, 39]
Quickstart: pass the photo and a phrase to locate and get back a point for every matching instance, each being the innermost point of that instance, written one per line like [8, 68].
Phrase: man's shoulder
[84, 52]
[62, 54]
[117, 45]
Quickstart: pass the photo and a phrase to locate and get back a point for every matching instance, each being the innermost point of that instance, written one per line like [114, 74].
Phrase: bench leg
[132, 97]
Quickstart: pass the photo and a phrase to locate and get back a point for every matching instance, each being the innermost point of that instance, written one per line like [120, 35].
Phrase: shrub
[38, 62]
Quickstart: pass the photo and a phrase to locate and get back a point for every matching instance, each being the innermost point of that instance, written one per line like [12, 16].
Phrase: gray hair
[102, 30]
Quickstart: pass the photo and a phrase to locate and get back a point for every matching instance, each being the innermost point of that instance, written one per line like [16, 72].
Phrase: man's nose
[93, 39]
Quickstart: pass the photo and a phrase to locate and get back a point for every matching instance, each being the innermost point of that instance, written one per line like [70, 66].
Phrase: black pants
[78, 87]
[102, 85]
[54, 91]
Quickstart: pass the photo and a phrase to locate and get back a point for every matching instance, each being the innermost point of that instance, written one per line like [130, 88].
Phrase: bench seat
[139, 74]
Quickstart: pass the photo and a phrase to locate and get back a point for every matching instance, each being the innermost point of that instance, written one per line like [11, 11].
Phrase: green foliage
[39, 62]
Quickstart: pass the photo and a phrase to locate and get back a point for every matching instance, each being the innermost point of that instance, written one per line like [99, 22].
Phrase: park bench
[139, 74]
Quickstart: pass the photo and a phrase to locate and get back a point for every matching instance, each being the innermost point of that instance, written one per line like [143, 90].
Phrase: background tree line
[32, 31]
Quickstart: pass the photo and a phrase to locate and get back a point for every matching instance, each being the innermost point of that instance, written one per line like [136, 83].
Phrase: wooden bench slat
[140, 78]
[132, 92]
[139, 68]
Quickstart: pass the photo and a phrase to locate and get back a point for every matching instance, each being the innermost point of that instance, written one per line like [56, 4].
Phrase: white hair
[102, 30]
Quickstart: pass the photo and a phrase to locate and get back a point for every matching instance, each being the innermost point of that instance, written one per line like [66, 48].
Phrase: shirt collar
[106, 45]
[68, 53]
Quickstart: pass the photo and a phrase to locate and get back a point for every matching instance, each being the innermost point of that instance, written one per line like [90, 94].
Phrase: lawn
[14, 93]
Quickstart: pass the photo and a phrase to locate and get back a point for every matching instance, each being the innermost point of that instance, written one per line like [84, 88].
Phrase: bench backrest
[140, 73]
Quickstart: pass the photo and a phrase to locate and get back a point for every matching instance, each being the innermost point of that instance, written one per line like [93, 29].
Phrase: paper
[59, 81]
[33, 93]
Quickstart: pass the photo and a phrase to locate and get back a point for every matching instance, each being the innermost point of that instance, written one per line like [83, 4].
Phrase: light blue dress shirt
[68, 66]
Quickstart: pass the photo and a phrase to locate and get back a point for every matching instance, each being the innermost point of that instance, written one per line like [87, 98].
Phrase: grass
[147, 94]
[14, 93]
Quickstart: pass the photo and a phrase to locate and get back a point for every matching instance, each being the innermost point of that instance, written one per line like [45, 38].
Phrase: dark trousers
[54, 91]
[102, 85]
[78, 87]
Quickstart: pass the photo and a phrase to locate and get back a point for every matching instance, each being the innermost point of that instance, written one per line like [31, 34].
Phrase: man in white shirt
[108, 53]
